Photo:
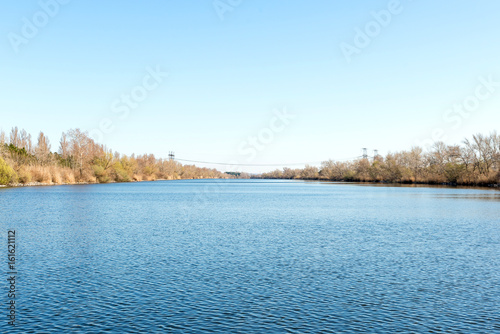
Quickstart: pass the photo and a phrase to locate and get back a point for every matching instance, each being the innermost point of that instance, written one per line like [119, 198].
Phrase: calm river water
[252, 256]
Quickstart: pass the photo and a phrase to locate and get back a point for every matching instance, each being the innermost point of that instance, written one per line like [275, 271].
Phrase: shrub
[120, 174]
[349, 175]
[7, 174]
[24, 176]
[453, 172]
[100, 173]
[40, 174]
[56, 175]
[68, 176]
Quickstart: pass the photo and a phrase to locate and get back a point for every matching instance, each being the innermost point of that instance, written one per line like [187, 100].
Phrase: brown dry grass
[40, 174]
[68, 176]
[24, 176]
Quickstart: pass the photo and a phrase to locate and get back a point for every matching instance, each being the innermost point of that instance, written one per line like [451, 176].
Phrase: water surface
[254, 256]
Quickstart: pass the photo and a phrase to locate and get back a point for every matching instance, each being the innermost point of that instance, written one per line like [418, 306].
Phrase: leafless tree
[63, 146]
[3, 137]
[42, 150]
[15, 139]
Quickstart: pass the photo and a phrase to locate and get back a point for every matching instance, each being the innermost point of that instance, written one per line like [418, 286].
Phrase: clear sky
[350, 78]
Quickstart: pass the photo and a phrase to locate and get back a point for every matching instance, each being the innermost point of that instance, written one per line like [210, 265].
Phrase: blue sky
[230, 72]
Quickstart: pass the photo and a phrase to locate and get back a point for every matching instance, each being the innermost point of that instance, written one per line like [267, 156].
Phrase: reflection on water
[255, 256]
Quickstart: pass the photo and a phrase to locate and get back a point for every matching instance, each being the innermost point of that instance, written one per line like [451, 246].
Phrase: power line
[261, 165]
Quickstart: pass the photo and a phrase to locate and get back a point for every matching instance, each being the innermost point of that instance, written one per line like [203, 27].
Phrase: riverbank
[44, 184]
[361, 183]
[38, 184]
[392, 183]
[414, 185]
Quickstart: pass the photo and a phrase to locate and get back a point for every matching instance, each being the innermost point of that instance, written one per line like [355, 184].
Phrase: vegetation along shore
[80, 160]
[476, 162]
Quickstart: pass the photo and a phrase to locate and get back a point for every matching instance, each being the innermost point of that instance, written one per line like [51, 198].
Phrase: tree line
[475, 162]
[79, 159]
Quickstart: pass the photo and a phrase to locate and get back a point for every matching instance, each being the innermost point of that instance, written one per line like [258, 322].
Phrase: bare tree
[484, 151]
[26, 143]
[416, 162]
[495, 145]
[3, 137]
[15, 139]
[42, 150]
[63, 146]
[79, 147]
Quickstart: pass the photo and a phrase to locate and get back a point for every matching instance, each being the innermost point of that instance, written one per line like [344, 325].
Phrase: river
[254, 256]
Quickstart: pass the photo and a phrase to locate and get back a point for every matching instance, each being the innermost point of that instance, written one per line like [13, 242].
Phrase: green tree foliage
[7, 173]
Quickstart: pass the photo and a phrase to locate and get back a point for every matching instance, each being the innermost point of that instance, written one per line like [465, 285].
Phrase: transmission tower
[171, 155]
